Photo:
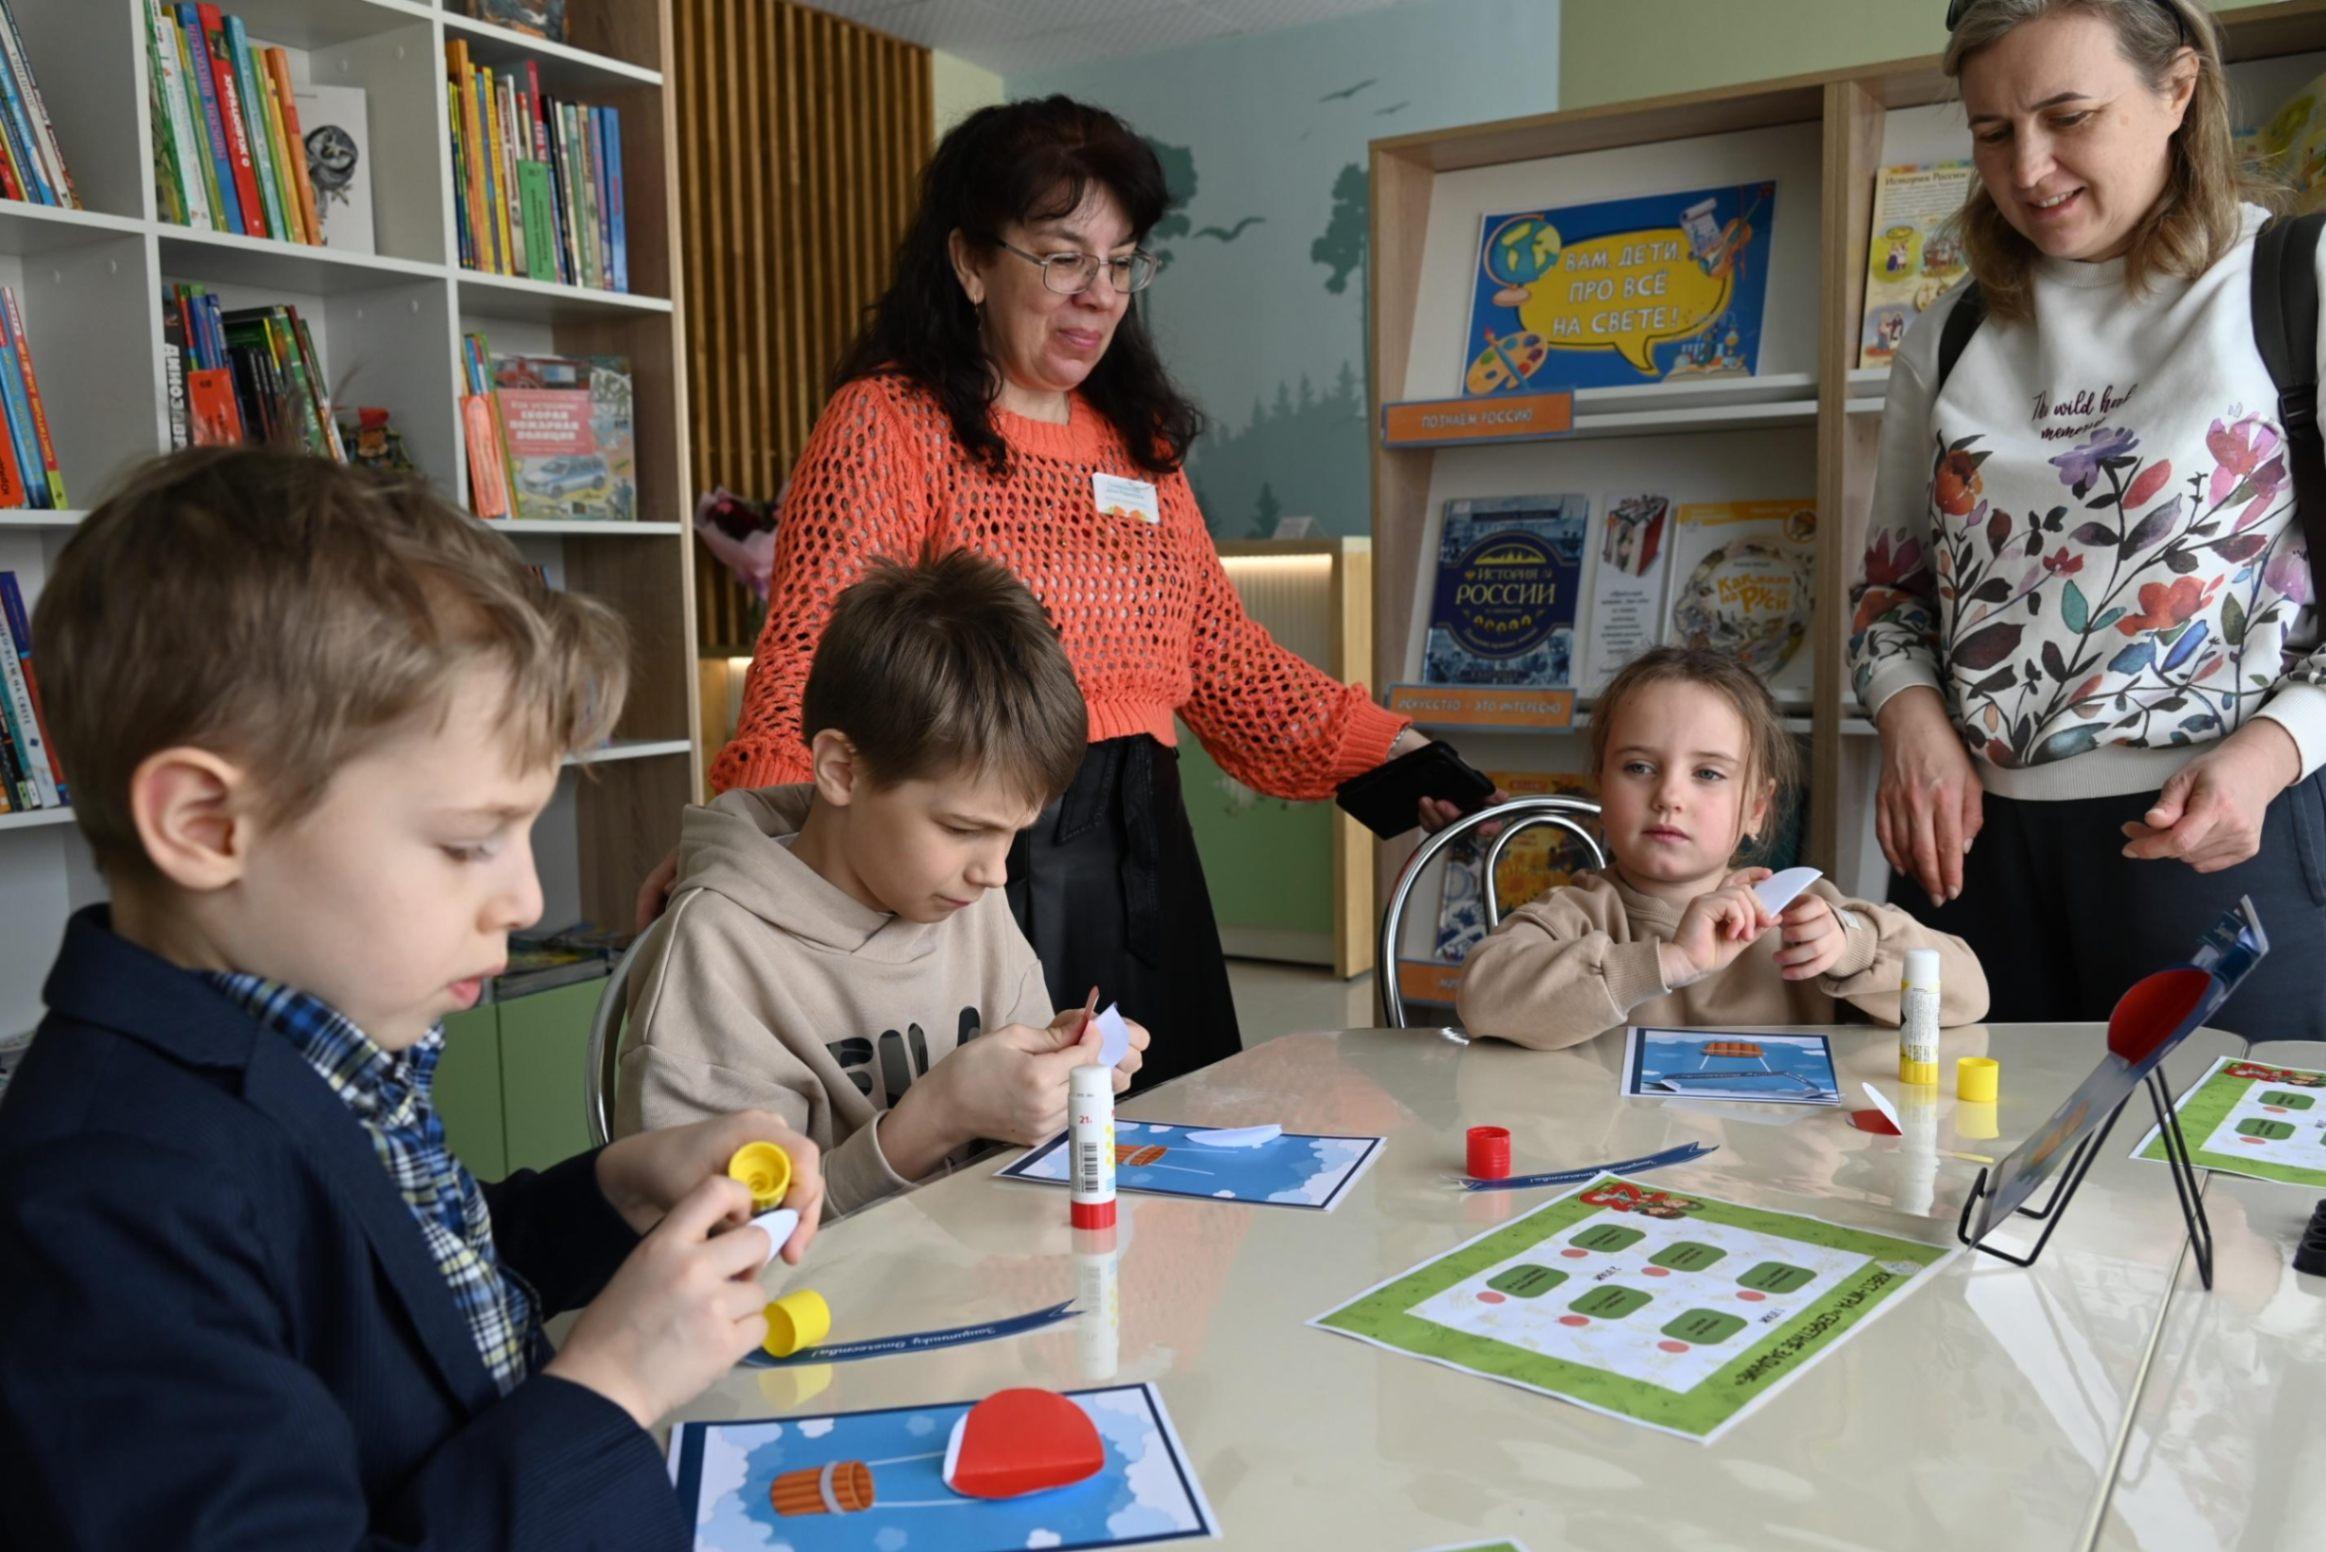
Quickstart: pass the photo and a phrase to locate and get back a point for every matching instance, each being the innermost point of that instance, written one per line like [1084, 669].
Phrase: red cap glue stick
[1090, 1142]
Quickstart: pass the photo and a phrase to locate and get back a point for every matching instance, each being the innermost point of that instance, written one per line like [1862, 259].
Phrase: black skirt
[1108, 888]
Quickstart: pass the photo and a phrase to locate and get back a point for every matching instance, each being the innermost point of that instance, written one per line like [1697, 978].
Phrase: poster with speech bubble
[1620, 293]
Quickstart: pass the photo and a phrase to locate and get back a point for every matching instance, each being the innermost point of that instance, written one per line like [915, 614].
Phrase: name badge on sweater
[1118, 497]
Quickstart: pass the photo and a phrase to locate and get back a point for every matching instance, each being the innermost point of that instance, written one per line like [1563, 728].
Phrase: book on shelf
[29, 473]
[335, 126]
[1630, 566]
[1502, 609]
[560, 433]
[1914, 254]
[32, 164]
[250, 375]
[544, 19]
[1538, 860]
[33, 775]
[228, 149]
[1620, 292]
[537, 181]
[1741, 584]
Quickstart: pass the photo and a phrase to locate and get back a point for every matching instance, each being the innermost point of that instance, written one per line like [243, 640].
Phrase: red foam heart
[1022, 1441]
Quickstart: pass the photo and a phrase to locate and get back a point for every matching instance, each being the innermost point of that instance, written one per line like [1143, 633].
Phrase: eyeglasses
[1071, 274]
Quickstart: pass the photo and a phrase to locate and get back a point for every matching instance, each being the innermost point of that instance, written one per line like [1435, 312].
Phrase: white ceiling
[1017, 37]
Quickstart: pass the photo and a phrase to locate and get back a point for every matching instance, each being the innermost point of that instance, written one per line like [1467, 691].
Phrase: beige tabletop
[2224, 1448]
[1984, 1410]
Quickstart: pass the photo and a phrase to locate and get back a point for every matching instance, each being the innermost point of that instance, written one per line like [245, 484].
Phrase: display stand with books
[1654, 312]
[379, 319]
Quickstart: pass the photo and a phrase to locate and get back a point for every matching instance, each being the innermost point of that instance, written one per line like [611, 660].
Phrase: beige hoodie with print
[765, 985]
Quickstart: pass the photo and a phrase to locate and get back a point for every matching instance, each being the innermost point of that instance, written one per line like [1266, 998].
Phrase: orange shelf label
[1513, 417]
[1483, 705]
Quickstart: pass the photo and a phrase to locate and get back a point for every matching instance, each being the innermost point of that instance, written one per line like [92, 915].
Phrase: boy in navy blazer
[250, 1298]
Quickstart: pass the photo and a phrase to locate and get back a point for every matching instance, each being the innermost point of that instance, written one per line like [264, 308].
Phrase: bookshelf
[1809, 422]
[388, 326]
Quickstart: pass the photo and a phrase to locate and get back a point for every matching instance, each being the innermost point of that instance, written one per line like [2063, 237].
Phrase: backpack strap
[1970, 310]
[2285, 329]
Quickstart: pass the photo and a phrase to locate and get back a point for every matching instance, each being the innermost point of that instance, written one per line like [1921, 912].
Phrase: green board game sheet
[2253, 1118]
[1678, 1312]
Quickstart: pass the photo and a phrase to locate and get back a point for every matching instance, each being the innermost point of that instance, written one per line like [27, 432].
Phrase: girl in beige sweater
[1691, 757]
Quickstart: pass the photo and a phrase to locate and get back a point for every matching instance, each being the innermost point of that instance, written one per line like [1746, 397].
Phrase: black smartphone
[1387, 799]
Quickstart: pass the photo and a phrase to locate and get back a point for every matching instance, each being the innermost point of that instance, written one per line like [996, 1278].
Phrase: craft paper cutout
[1114, 1037]
[1236, 1136]
[1021, 1441]
[1779, 890]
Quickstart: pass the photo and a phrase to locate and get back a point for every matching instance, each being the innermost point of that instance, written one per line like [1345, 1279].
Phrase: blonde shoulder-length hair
[2195, 221]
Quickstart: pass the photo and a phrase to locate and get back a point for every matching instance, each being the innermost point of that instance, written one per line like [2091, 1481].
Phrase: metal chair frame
[606, 1046]
[1515, 816]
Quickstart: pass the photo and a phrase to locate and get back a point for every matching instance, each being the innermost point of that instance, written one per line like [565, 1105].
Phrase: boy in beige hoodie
[840, 952]
[1691, 756]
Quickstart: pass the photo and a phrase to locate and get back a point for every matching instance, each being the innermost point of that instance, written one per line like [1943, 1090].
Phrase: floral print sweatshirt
[2087, 540]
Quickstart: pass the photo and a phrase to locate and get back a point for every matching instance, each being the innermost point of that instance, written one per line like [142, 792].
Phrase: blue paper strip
[1571, 1177]
[918, 1341]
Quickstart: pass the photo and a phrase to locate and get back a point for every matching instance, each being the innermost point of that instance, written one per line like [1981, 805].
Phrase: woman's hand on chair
[1931, 803]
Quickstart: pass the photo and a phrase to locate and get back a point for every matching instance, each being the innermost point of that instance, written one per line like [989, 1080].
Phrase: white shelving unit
[388, 326]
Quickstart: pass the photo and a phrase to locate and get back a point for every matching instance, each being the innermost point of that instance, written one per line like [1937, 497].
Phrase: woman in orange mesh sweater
[1003, 397]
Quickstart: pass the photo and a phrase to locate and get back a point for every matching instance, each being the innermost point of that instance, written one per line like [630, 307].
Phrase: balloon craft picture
[1022, 1467]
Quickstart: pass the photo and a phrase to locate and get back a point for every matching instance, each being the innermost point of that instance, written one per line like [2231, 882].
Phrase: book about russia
[1620, 292]
[1503, 608]
[1741, 584]
[572, 448]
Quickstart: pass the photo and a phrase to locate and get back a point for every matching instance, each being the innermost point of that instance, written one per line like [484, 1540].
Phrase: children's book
[2292, 145]
[540, 18]
[1913, 257]
[335, 126]
[571, 443]
[1620, 292]
[1631, 564]
[1539, 860]
[1720, 1064]
[1742, 583]
[1503, 610]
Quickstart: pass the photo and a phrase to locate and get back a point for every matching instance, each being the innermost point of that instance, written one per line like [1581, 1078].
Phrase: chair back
[1519, 814]
[605, 1046]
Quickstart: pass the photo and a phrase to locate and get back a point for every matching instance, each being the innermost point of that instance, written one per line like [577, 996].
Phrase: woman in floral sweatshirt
[2084, 623]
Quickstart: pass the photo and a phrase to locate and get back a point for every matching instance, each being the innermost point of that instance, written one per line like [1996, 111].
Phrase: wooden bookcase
[1808, 422]
[389, 329]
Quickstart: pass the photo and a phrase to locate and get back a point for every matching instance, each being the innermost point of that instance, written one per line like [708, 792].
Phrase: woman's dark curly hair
[1023, 162]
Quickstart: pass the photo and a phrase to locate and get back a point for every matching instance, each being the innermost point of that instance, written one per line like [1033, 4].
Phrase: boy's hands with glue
[1009, 1085]
[1718, 925]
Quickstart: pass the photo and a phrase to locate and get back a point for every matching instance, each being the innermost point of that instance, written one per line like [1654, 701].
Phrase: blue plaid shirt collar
[392, 1098]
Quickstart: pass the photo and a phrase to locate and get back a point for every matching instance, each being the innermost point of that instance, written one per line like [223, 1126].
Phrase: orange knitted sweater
[1147, 615]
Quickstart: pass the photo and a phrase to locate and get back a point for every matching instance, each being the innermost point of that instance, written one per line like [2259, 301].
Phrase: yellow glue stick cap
[799, 1319]
[765, 1171]
[1978, 1079]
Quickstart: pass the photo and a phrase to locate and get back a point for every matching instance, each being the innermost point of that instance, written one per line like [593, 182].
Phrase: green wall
[1618, 50]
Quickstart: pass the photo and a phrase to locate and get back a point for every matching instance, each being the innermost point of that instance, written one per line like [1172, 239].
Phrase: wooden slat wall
[800, 137]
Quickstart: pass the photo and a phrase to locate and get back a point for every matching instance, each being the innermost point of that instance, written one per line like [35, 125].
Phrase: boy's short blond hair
[288, 613]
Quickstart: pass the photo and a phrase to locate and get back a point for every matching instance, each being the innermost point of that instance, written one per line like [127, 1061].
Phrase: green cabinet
[511, 1084]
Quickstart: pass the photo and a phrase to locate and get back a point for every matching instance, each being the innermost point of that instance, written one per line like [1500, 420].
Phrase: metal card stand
[2186, 1186]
